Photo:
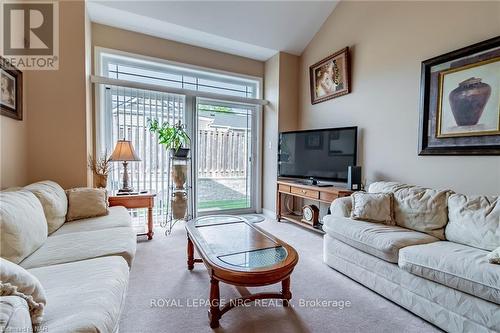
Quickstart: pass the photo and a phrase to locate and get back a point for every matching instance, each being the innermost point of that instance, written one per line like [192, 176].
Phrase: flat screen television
[322, 154]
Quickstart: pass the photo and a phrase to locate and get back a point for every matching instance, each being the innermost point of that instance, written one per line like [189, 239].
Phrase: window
[223, 149]
[126, 115]
[129, 69]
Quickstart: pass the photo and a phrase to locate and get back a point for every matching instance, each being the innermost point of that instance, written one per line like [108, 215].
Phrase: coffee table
[239, 253]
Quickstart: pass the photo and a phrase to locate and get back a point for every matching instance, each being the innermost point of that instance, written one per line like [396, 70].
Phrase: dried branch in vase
[101, 167]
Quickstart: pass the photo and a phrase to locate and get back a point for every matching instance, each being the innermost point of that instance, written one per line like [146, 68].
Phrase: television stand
[310, 192]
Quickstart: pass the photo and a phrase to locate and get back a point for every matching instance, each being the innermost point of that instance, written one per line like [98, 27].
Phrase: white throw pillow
[54, 202]
[16, 281]
[22, 223]
[373, 207]
[86, 202]
[474, 221]
[494, 256]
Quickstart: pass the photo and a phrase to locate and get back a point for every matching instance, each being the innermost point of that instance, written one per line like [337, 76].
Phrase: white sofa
[433, 262]
[83, 265]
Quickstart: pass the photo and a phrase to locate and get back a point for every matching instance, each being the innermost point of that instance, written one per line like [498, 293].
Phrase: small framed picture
[11, 95]
[330, 77]
[460, 102]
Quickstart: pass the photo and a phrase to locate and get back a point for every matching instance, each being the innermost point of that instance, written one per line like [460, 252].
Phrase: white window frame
[191, 115]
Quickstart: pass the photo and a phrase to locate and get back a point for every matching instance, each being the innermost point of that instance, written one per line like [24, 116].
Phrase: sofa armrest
[14, 315]
[341, 207]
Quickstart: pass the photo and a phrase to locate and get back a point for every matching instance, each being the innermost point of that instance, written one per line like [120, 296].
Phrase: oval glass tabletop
[256, 258]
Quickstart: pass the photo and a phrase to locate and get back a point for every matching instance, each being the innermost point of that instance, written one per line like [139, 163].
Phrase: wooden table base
[216, 311]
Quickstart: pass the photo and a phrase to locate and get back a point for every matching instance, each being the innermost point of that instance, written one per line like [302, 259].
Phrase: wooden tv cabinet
[311, 192]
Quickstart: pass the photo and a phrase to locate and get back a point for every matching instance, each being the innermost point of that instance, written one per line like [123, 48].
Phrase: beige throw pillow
[16, 281]
[23, 227]
[86, 202]
[494, 256]
[417, 208]
[54, 202]
[373, 207]
[474, 221]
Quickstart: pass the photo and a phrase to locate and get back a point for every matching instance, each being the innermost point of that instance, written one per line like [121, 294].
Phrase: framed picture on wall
[329, 78]
[11, 91]
[460, 102]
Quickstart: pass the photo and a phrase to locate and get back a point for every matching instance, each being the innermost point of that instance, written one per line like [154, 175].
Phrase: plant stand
[179, 192]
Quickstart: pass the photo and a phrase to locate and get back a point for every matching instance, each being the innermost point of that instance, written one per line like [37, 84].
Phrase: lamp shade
[124, 151]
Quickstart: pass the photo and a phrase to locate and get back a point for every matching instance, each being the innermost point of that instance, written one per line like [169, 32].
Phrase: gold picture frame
[474, 129]
[330, 77]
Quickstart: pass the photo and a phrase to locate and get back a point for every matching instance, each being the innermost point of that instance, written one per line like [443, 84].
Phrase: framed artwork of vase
[11, 91]
[460, 102]
[330, 77]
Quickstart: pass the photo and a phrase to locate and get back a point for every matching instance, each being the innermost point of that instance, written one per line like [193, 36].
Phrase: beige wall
[124, 40]
[270, 133]
[281, 114]
[389, 40]
[56, 103]
[13, 151]
[288, 88]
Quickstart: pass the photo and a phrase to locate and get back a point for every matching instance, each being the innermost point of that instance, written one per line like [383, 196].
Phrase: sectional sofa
[83, 265]
[433, 262]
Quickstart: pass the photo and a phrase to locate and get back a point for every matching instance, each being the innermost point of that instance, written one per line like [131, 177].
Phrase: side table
[142, 200]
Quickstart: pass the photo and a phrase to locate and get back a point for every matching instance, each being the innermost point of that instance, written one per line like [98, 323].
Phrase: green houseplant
[173, 137]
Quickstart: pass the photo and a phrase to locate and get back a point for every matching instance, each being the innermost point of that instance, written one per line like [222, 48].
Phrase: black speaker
[354, 178]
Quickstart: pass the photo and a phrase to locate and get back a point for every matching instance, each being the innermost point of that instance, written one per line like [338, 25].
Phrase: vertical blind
[127, 112]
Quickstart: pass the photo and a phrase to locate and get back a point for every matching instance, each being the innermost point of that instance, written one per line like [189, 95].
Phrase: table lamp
[124, 152]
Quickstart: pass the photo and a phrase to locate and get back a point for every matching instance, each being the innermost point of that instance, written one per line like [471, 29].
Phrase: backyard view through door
[224, 157]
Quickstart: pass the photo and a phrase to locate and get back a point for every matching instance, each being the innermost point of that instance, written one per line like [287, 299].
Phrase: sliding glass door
[131, 90]
[226, 142]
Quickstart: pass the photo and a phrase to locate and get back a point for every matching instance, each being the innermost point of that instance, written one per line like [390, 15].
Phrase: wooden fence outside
[222, 153]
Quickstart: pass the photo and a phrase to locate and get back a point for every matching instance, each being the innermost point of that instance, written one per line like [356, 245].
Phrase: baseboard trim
[269, 213]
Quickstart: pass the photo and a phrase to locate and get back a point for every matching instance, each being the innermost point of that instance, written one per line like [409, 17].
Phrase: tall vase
[179, 175]
[101, 181]
[179, 205]
[468, 101]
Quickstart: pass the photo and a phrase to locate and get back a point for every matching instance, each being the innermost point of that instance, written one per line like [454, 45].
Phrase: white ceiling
[253, 29]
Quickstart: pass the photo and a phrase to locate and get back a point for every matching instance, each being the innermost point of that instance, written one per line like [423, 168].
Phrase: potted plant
[174, 137]
[101, 167]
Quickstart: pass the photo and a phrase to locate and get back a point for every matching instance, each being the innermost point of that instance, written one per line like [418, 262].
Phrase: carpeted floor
[164, 296]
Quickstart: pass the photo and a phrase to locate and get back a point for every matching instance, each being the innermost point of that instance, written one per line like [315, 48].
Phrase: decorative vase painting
[470, 100]
[329, 78]
[460, 101]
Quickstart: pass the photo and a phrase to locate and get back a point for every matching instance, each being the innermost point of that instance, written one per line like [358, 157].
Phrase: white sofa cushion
[380, 240]
[118, 217]
[83, 245]
[417, 208]
[16, 281]
[84, 296]
[54, 202]
[14, 315]
[448, 308]
[22, 223]
[373, 207]
[474, 221]
[455, 265]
